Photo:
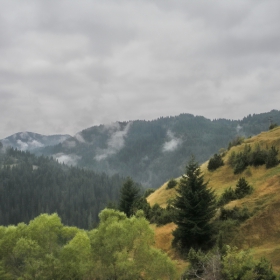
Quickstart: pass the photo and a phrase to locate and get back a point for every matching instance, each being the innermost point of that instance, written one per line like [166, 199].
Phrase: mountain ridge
[152, 152]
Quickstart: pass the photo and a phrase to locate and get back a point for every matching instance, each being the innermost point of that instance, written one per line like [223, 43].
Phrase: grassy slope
[260, 233]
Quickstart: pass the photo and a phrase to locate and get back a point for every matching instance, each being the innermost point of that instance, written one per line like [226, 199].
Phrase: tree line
[31, 185]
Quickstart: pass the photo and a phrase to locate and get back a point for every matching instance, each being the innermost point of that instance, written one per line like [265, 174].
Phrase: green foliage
[242, 188]
[171, 184]
[231, 265]
[235, 142]
[235, 214]
[215, 162]
[227, 196]
[194, 207]
[242, 160]
[161, 216]
[128, 197]
[272, 159]
[34, 185]
[272, 126]
[239, 265]
[255, 157]
[120, 248]
[148, 192]
[203, 265]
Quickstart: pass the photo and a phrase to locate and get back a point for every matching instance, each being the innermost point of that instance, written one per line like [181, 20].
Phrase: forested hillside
[30, 141]
[30, 186]
[152, 152]
[246, 186]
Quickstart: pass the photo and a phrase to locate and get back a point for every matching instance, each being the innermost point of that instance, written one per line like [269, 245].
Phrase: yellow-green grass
[163, 240]
[260, 233]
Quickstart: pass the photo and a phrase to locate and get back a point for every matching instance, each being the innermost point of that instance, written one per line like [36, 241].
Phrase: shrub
[235, 142]
[171, 184]
[272, 159]
[235, 214]
[215, 162]
[242, 188]
[273, 125]
[227, 196]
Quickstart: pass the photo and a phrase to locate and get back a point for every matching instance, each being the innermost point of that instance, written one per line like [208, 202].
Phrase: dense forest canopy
[31, 185]
[151, 152]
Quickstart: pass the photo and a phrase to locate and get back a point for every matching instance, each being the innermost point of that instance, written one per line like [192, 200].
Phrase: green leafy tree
[122, 249]
[195, 206]
[129, 196]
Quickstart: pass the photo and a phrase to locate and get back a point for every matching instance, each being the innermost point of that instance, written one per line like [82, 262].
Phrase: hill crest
[259, 233]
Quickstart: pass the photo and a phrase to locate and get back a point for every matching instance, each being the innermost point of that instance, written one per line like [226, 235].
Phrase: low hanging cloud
[80, 138]
[238, 128]
[70, 159]
[172, 144]
[69, 144]
[116, 141]
[23, 146]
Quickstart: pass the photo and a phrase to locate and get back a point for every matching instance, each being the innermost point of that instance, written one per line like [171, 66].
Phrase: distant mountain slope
[152, 152]
[31, 185]
[28, 141]
[260, 232]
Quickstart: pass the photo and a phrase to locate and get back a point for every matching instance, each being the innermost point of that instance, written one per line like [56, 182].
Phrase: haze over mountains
[151, 152]
[29, 141]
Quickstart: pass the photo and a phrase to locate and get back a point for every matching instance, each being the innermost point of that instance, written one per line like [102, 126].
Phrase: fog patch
[116, 141]
[23, 146]
[172, 144]
[80, 138]
[69, 144]
[70, 159]
[238, 128]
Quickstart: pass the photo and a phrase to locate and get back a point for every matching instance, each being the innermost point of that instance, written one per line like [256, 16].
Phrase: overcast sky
[68, 65]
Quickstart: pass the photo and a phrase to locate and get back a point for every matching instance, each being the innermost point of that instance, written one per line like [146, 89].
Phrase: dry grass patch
[163, 241]
[161, 196]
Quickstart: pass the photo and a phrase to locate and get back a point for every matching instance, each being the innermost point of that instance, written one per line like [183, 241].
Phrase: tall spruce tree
[195, 206]
[129, 196]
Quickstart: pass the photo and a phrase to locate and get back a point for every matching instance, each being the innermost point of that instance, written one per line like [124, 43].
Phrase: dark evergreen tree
[272, 159]
[129, 196]
[215, 162]
[195, 206]
[242, 188]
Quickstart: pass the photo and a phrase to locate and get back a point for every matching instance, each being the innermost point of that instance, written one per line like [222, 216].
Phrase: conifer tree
[129, 195]
[195, 206]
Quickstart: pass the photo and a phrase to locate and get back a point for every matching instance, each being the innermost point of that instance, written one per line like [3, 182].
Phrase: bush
[227, 196]
[215, 162]
[171, 184]
[235, 214]
[242, 188]
[161, 216]
[148, 192]
[235, 142]
[272, 159]
[273, 125]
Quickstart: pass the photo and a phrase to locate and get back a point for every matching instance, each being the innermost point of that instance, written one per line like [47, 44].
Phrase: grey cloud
[68, 65]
